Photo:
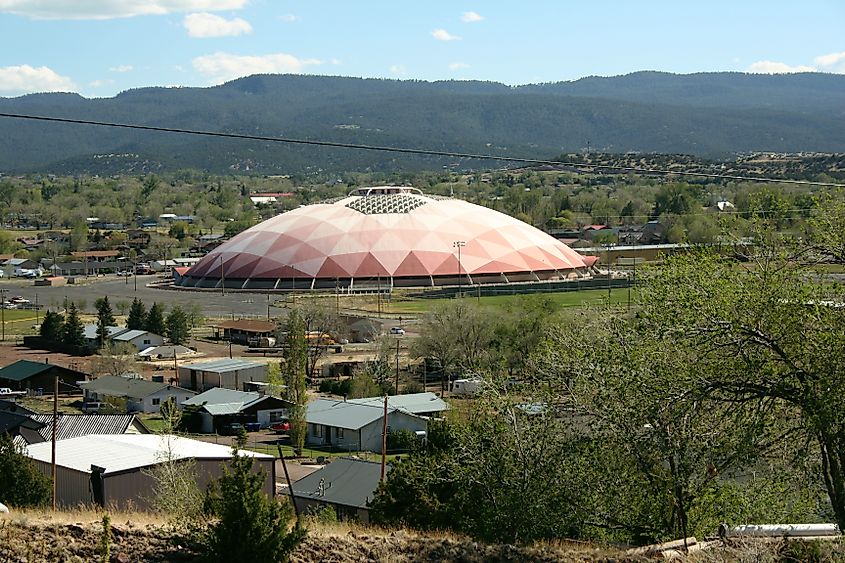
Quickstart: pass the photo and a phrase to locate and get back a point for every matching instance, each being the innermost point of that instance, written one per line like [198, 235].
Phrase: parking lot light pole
[459, 244]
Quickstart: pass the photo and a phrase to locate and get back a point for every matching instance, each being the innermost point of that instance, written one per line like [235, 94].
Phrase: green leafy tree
[296, 359]
[52, 326]
[250, 526]
[137, 318]
[154, 321]
[176, 326]
[21, 484]
[73, 336]
[105, 319]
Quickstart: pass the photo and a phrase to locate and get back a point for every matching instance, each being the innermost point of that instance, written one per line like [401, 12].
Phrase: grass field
[19, 322]
[399, 306]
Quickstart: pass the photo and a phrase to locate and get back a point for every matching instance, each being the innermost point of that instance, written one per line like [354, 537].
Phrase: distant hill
[707, 114]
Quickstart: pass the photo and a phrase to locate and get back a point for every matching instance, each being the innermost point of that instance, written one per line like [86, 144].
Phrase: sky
[99, 48]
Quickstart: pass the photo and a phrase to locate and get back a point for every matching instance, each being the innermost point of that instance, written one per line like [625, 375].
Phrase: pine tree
[137, 315]
[52, 327]
[155, 319]
[105, 319]
[21, 484]
[251, 526]
[73, 336]
[176, 326]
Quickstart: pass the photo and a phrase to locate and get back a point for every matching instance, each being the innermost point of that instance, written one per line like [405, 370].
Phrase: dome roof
[398, 235]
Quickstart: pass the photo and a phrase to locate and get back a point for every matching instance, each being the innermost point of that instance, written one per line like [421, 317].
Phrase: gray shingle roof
[347, 482]
[344, 414]
[115, 386]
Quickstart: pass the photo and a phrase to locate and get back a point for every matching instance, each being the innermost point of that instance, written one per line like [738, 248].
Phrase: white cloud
[471, 17]
[772, 67]
[100, 83]
[833, 62]
[443, 35]
[25, 79]
[458, 66]
[399, 70]
[107, 9]
[121, 68]
[289, 18]
[220, 67]
[336, 62]
[208, 25]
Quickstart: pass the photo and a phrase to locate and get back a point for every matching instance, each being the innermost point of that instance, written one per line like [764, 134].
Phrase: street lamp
[459, 244]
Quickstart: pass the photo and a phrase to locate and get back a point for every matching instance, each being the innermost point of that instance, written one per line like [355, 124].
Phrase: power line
[421, 152]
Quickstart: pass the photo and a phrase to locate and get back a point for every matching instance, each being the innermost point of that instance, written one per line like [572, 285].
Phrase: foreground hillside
[35, 537]
[701, 114]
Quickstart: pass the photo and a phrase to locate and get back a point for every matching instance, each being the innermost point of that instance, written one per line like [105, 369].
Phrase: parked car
[281, 427]
[252, 426]
[397, 330]
[232, 429]
[93, 408]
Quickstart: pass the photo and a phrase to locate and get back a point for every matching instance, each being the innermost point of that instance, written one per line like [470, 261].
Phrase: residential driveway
[213, 303]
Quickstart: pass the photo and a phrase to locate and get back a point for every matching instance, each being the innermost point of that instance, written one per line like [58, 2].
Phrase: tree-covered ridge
[704, 114]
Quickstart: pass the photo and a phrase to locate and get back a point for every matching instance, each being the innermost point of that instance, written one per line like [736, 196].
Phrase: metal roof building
[354, 426]
[228, 373]
[346, 484]
[138, 394]
[109, 470]
[221, 406]
[423, 404]
[26, 374]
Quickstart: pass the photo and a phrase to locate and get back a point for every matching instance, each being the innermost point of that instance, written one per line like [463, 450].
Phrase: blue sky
[101, 47]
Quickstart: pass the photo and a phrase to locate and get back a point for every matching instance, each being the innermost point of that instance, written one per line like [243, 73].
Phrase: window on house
[156, 402]
[340, 432]
[318, 431]
[146, 341]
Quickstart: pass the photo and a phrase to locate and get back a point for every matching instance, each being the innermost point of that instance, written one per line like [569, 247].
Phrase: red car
[282, 427]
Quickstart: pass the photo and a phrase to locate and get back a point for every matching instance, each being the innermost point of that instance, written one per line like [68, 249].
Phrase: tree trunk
[833, 470]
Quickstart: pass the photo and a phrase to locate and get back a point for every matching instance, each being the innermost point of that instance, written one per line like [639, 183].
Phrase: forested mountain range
[707, 114]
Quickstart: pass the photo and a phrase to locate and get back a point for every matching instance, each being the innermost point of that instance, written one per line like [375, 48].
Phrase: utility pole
[459, 244]
[383, 440]
[53, 445]
[3, 312]
[397, 365]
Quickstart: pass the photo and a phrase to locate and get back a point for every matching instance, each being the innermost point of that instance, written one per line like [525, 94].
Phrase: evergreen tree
[52, 327]
[251, 526]
[295, 355]
[155, 319]
[105, 319]
[73, 336]
[176, 326]
[21, 484]
[137, 315]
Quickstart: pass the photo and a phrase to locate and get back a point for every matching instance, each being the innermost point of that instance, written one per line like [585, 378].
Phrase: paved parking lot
[119, 289]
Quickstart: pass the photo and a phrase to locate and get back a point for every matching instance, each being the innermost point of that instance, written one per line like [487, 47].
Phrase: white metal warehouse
[226, 373]
[111, 470]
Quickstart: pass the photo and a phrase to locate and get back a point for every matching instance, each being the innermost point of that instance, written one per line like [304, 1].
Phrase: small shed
[229, 373]
[113, 470]
[345, 484]
[26, 375]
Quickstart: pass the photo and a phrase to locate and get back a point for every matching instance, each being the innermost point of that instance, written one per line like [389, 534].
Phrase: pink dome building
[393, 236]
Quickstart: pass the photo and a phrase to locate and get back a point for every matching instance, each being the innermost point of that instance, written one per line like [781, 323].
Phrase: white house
[354, 426]
[137, 395]
[141, 339]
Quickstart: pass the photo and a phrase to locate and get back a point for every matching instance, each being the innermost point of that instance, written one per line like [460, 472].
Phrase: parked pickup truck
[6, 392]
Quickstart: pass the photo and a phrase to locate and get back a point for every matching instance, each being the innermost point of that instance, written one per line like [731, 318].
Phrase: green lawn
[561, 299]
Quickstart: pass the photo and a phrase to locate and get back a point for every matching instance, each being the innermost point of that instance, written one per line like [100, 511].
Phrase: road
[213, 304]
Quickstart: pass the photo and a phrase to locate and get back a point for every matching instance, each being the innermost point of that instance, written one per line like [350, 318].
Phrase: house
[18, 424]
[345, 484]
[133, 395]
[244, 331]
[114, 469]
[421, 404]
[219, 406]
[75, 425]
[363, 329]
[26, 375]
[141, 339]
[354, 426]
[228, 373]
